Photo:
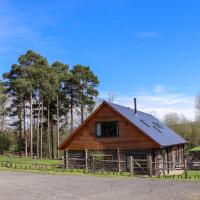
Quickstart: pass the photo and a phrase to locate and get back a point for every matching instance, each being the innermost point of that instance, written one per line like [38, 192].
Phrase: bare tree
[197, 107]
[111, 96]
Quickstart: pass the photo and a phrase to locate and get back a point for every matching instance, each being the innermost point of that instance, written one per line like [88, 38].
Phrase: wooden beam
[165, 163]
[131, 166]
[66, 159]
[149, 165]
[86, 159]
[119, 160]
[185, 168]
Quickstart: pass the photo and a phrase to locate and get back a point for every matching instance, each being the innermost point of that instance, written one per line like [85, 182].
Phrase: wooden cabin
[120, 132]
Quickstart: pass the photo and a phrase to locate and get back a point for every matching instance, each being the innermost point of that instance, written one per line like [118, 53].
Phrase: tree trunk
[58, 125]
[38, 130]
[20, 127]
[41, 130]
[31, 125]
[25, 135]
[48, 130]
[82, 108]
[72, 109]
[2, 127]
[82, 113]
[3, 119]
[52, 138]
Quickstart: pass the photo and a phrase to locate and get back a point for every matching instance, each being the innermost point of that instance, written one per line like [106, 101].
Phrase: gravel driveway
[29, 186]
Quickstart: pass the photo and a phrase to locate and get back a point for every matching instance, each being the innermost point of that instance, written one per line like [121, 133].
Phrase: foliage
[5, 142]
[29, 160]
[196, 149]
[187, 129]
[40, 97]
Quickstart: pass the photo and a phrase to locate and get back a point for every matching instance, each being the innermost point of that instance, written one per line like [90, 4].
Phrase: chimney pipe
[135, 105]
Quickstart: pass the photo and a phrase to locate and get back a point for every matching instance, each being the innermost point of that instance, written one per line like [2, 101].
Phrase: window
[107, 129]
[145, 123]
[157, 129]
[157, 125]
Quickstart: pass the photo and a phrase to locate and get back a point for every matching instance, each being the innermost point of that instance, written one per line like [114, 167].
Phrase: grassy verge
[30, 160]
[191, 175]
[54, 167]
[66, 172]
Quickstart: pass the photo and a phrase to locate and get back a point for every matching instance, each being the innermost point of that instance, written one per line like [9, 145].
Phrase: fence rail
[134, 167]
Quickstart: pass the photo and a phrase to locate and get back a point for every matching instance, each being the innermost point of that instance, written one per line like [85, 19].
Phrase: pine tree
[61, 75]
[87, 87]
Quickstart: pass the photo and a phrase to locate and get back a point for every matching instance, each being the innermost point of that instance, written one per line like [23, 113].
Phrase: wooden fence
[136, 167]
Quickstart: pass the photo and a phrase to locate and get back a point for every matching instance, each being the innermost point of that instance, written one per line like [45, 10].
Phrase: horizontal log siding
[129, 137]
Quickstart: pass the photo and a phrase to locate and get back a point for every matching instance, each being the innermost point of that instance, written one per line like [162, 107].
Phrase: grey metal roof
[150, 125]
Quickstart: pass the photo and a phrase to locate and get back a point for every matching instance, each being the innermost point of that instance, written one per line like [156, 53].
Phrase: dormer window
[107, 129]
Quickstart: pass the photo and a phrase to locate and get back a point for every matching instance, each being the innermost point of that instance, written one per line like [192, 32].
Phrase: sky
[138, 48]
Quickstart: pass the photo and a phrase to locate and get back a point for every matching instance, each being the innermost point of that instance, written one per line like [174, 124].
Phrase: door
[128, 163]
[140, 163]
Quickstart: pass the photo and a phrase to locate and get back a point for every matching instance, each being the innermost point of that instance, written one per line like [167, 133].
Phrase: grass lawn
[191, 174]
[30, 160]
[66, 172]
[194, 173]
[54, 166]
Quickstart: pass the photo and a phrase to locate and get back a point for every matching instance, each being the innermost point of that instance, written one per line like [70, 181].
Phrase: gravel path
[30, 186]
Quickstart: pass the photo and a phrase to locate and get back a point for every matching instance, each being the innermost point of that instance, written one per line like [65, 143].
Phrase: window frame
[104, 136]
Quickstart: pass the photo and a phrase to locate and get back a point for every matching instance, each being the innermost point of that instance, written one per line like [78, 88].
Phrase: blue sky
[138, 48]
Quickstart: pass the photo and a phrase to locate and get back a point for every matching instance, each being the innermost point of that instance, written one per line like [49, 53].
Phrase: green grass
[66, 172]
[53, 166]
[46, 166]
[194, 173]
[30, 160]
[191, 175]
[196, 149]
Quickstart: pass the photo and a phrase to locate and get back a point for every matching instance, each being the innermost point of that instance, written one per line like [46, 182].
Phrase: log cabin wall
[112, 154]
[129, 137]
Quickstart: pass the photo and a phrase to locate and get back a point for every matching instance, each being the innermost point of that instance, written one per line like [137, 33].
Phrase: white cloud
[159, 102]
[148, 34]
[20, 31]
[159, 89]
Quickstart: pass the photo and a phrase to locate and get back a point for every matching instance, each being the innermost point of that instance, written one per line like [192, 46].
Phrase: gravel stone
[33, 186]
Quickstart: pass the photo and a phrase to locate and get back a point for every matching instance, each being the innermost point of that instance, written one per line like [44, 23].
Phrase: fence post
[149, 166]
[165, 164]
[34, 161]
[63, 162]
[155, 166]
[66, 158]
[131, 166]
[185, 168]
[93, 163]
[118, 157]
[86, 159]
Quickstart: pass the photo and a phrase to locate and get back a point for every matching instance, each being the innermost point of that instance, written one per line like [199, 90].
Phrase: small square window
[107, 129]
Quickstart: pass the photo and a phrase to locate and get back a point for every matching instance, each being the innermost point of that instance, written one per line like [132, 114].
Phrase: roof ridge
[168, 136]
[129, 108]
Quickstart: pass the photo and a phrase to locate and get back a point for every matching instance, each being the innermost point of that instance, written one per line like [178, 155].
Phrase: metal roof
[150, 125]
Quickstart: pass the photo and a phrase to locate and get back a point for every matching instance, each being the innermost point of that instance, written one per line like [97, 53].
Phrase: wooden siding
[129, 137]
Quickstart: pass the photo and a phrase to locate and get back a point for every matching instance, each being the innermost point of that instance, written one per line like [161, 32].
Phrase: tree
[181, 125]
[111, 96]
[34, 66]
[15, 86]
[42, 95]
[3, 102]
[71, 90]
[197, 107]
[22, 84]
[61, 76]
[87, 87]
